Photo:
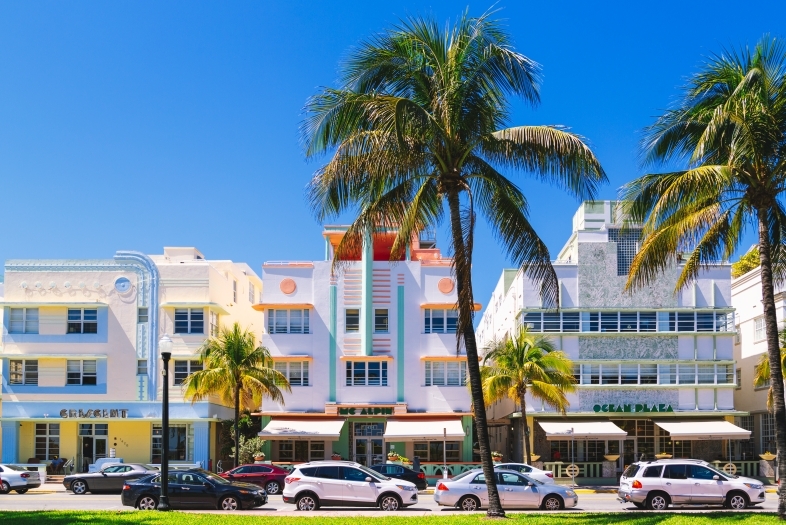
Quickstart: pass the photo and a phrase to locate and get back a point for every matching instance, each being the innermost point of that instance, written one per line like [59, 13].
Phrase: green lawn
[261, 518]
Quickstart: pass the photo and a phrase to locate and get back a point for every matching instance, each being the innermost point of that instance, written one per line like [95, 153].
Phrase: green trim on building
[333, 342]
[267, 448]
[400, 347]
[466, 448]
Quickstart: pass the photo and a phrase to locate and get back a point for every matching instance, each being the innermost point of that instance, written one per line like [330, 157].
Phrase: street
[426, 506]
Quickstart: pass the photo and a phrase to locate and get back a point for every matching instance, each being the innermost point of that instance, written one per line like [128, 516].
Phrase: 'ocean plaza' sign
[121, 413]
[365, 411]
[637, 408]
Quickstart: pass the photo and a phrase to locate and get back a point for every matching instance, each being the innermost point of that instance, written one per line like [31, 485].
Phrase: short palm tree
[761, 372]
[524, 363]
[418, 127]
[238, 371]
[729, 130]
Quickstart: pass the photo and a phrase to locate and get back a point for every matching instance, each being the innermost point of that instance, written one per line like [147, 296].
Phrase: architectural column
[10, 433]
[367, 305]
[466, 452]
[333, 344]
[400, 345]
[201, 443]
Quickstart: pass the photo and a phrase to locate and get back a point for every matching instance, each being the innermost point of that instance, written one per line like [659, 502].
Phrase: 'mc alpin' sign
[121, 413]
[639, 407]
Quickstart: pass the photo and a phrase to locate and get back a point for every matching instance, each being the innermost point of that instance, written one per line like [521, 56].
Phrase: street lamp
[165, 348]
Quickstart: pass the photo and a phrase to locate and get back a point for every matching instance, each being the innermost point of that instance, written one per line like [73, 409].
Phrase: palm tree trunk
[237, 423]
[773, 351]
[464, 289]
[525, 426]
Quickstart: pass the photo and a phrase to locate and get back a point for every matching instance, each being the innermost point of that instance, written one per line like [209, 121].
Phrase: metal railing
[586, 469]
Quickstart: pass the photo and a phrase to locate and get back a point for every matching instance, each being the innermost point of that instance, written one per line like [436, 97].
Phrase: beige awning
[424, 430]
[703, 430]
[294, 429]
[582, 430]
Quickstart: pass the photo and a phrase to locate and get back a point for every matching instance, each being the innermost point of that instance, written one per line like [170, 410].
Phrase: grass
[258, 518]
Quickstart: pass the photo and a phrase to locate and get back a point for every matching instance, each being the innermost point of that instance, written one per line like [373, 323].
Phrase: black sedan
[400, 472]
[193, 489]
[109, 479]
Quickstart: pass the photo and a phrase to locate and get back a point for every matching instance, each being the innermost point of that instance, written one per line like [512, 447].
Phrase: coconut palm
[238, 371]
[419, 126]
[729, 131]
[525, 363]
[761, 372]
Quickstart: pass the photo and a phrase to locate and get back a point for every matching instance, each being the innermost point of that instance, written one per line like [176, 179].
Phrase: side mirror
[716, 477]
[368, 479]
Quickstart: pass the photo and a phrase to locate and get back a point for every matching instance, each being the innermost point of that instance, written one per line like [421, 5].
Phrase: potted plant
[496, 455]
[335, 456]
[767, 456]
[393, 456]
[405, 461]
[259, 456]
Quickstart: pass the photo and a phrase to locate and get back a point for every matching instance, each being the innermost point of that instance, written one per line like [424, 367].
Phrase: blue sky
[135, 125]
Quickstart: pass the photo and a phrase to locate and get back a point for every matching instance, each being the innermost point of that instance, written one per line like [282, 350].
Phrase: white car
[19, 479]
[658, 484]
[544, 476]
[468, 491]
[345, 484]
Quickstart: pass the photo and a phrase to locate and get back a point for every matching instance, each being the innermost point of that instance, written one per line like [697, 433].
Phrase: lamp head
[165, 347]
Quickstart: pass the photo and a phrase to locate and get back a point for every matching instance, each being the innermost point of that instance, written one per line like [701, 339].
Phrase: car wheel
[20, 491]
[737, 501]
[147, 503]
[307, 502]
[272, 487]
[231, 503]
[552, 502]
[389, 502]
[469, 503]
[657, 501]
[5, 488]
[79, 486]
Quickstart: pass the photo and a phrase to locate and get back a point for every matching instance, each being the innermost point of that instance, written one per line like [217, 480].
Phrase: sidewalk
[48, 488]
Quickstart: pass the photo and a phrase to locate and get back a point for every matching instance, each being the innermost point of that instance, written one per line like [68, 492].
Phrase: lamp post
[165, 347]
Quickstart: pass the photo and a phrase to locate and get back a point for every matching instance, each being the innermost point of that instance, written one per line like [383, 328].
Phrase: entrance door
[93, 443]
[369, 446]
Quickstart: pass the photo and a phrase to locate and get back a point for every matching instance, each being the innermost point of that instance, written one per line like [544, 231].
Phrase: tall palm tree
[729, 130]
[761, 372]
[418, 124]
[238, 371]
[527, 362]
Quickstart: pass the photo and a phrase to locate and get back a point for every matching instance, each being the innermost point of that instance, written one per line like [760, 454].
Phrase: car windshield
[215, 478]
[374, 474]
[461, 476]
[532, 480]
[722, 474]
[149, 467]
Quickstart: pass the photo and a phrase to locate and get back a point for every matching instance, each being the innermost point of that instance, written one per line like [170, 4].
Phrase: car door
[239, 474]
[675, 481]
[516, 491]
[193, 492]
[330, 485]
[260, 475]
[478, 487]
[705, 489]
[356, 489]
[176, 494]
[115, 479]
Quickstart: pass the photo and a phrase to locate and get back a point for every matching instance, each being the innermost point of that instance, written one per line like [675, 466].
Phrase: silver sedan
[14, 477]
[468, 491]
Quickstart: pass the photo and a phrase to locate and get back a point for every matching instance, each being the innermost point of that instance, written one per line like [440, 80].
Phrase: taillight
[550, 474]
[636, 484]
[25, 475]
[423, 476]
[441, 486]
[126, 487]
[290, 480]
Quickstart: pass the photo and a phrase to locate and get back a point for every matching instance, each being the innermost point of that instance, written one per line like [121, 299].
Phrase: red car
[269, 477]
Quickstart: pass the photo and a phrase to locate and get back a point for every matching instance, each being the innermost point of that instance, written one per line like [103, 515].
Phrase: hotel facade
[655, 370]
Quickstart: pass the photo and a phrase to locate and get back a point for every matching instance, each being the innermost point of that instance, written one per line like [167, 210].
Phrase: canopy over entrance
[703, 430]
[328, 429]
[424, 430]
[582, 430]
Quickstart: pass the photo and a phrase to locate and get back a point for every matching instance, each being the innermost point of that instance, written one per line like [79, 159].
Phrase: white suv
[345, 484]
[657, 484]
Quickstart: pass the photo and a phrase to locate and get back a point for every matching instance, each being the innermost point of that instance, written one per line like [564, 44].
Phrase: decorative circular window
[122, 284]
[446, 285]
[288, 286]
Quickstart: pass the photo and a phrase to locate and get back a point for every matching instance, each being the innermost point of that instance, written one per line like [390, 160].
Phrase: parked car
[402, 472]
[192, 489]
[658, 484]
[270, 477]
[345, 484]
[468, 491]
[544, 476]
[110, 478]
[18, 479]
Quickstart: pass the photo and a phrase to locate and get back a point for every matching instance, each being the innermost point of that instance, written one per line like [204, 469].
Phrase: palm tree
[729, 129]
[761, 372]
[418, 124]
[238, 371]
[527, 362]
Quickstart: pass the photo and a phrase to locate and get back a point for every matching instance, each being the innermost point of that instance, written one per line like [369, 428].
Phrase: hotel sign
[365, 411]
[119, 413]
[636, 408]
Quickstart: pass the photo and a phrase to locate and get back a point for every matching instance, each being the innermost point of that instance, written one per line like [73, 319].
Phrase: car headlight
[405, 487]
[753, 486]
[242, 491]
[570, 493]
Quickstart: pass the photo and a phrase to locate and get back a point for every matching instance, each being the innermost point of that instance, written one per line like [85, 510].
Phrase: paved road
[68, 501]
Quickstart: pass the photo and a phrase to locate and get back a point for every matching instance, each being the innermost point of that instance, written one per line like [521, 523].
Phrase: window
[725, 374]
[252, 292]
[432, 450]
[189, 321]
[23, 372]
[440, 321]
[590, 374]
[367, 373]
[141, 367]
[47, 441]
[531, 321]
[296, 372]
[570, 322]
[627, 241]
[551, 322]
[289, 321]
[699, 472]
[446, 373]
[609, 322]
[381, 320]
[23, 321]
[706, 374]
[301, 451]
[82, 321]
[705, 322]
[686, 322]
[739, 379]
[213, 324]
[759, 332]
[768, 433]
[737, 335]
[178, 444]
[629, 374]
[610, 374]
[141, 315]
[629, 322]
[647, 321]
[81, 372]
[184, 368]
[234, 291]
[352, 320]
[687, 374]
[648, 374]
[652, 472]
[746, 448]
[667, 374]
[678, 449]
